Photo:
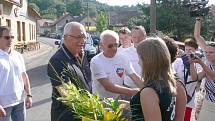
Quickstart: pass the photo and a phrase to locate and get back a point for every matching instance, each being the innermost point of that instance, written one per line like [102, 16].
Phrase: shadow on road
[38, 76]
[41, 102]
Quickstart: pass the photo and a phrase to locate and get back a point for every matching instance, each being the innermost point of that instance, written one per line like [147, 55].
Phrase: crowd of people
[148, 72]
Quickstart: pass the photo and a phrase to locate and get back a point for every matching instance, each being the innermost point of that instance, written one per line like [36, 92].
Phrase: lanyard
[186, 74]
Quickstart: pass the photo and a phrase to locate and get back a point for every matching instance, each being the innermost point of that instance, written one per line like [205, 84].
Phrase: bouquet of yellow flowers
[89, 107]
[85, 105]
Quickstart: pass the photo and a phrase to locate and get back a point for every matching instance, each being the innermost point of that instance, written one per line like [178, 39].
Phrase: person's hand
[197, 114]
[134, 91]
[197, 60]
[28, 101]
[2, 112]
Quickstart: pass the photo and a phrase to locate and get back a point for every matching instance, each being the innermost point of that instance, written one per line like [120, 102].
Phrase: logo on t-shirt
[120, 72]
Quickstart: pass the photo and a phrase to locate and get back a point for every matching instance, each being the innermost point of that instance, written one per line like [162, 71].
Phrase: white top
[11, 82]
[178, 67]
[120, 49]
[114, 69]
[132, 56]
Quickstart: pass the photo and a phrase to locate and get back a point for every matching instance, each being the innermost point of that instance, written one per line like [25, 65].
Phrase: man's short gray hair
[68, 27]
[141, 29]
[110, 33]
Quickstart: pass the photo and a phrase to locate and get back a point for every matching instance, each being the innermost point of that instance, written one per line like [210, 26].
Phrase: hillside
[52, 9]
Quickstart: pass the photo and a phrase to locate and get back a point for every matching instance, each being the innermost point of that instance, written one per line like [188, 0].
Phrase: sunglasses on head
[113, 45]
[8, 37]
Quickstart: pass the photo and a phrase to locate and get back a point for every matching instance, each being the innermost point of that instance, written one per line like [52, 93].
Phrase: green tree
[61, 8]
[102, 21]
[34, 6]
[50, 13]
[172, 19]
[75, 8]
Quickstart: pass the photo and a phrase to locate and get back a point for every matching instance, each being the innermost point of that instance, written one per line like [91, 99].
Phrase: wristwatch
[29, 96]
[198, 19]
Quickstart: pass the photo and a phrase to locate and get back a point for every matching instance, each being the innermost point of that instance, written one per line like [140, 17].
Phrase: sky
[123, 2]
[132, 2]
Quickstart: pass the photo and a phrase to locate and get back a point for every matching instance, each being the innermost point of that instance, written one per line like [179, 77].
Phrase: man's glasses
[8, 37]
[113, 45]
[82, 36]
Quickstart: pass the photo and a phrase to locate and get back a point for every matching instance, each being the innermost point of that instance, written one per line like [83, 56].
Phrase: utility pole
[88, 28]
[66, 2]
[153, 17]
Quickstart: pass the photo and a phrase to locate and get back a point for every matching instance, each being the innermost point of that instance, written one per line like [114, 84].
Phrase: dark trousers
[60, 113]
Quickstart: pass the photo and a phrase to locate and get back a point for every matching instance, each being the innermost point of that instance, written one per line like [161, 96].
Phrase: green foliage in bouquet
[82, 102]
[87, 105]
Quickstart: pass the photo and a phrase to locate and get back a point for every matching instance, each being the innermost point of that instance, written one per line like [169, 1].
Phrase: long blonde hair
[156, 64]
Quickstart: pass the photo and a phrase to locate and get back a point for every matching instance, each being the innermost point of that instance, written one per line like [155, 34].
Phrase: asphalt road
[40, 84]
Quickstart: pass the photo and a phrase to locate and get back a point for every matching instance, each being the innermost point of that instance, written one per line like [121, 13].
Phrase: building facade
[20, 18]
[59, 24]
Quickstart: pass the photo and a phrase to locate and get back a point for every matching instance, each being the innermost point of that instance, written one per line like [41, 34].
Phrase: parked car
[54, 36]
[96, 40]
[90, 48]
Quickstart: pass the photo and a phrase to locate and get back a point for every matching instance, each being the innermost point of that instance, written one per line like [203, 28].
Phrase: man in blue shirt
[69, 58]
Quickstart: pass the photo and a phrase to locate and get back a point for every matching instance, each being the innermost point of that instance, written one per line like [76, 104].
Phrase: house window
[23, 31]
[35, 31]
[8, 23]
[18, 30]
[30, 31]
[87, 23]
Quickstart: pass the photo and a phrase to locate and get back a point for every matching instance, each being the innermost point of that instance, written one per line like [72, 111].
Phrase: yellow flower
[109, 116]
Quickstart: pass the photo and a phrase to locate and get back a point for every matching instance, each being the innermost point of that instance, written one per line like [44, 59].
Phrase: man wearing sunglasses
[69, 64]
[14, 82]
[109, 69]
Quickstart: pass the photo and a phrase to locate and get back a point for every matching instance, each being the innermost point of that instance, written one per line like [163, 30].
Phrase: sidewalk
[33, 54]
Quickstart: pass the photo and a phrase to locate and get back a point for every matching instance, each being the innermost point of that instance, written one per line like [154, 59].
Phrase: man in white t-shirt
[138, 34]
[14, 82]
[124, 39]
[109, 69]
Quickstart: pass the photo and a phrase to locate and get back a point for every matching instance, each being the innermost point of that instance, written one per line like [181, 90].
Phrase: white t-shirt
[121, 49]
[132, 56]
[178, 67]
[114, 69]
[11, 82]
